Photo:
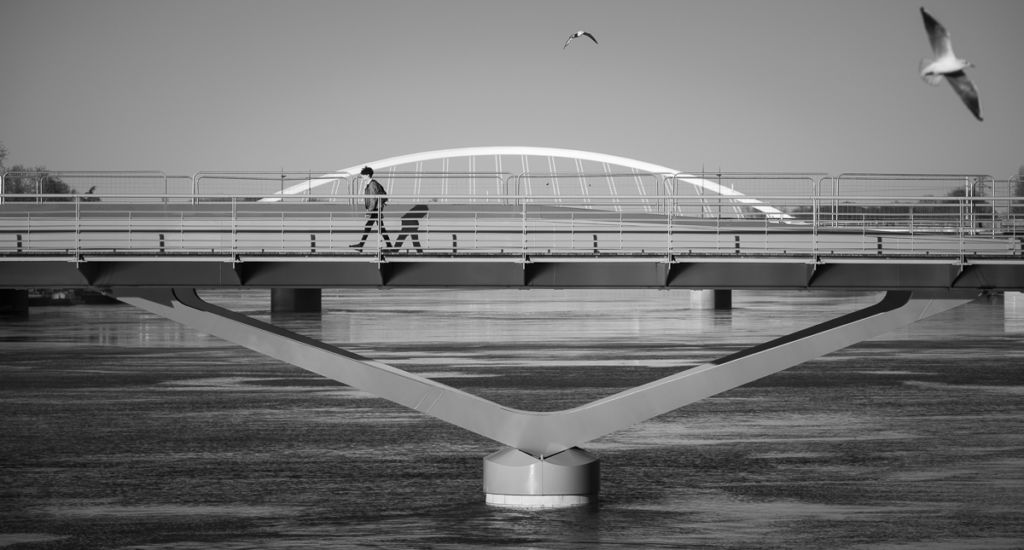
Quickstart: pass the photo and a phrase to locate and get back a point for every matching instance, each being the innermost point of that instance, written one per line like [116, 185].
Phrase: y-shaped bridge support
[543, 466]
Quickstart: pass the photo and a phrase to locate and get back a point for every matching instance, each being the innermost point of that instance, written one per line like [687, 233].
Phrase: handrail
[475, 197]
[41, 175]
[969, 214]
[908, 177]
[901, 201]
[281, 176]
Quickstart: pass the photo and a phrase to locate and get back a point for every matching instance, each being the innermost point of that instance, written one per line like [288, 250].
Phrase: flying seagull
[947, 64]
[578, 34]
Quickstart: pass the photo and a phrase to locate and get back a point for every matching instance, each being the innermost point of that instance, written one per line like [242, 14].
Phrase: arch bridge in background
[536, 171]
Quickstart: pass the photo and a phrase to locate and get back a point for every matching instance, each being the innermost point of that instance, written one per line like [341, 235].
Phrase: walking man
[374, 202]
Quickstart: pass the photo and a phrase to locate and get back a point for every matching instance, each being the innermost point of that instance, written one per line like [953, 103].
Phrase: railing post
[960, 225]
[670, 207]
[523, 218]
[195, 187]
[815, 210]
[78, 228]
[718, 219]
[863, 233]
[719, 183]
[766, 232]
[380, 227]
[234, 226]
[992, 204]
[572, 231]
[815, 216]
[621, 226]
[836, 183]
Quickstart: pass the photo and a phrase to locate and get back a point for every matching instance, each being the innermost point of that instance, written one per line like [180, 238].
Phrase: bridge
[520, 217]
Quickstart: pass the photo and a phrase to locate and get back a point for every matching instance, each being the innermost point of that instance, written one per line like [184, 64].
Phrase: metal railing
[512, 226]
[16, 186]
[326, 185]
[970, 185]
[310, 185]
[438, 186]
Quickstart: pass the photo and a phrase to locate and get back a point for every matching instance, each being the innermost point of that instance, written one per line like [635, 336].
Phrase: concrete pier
[711, 299]
[295, 300]
[1013, 308]
[1013, 300]
[516, 479]
[13, 301]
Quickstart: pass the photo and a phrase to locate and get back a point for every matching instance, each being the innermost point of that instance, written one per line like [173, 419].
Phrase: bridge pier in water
[1013, 300]
[13, 301]
[711, 299]
[514, 478]
[295, 300]
[541, 464]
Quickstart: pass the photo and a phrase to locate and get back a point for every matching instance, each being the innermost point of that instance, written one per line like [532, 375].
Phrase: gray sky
[774, 85]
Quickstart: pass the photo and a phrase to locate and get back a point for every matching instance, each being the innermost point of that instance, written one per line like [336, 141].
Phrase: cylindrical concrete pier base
[516, 479]
[711, 299]
[295, 300]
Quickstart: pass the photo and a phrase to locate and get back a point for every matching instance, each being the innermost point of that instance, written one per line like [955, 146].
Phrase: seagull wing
[929, 76]
[937, 35]
[578, 34]
[966, 90]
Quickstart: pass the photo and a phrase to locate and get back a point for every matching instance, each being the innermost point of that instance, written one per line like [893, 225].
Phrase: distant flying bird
[947, 64]
[578, 34]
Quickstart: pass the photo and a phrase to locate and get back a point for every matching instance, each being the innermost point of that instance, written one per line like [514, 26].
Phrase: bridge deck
[497, 244]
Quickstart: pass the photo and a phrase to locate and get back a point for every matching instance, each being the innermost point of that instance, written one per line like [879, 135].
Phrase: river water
[119, 429]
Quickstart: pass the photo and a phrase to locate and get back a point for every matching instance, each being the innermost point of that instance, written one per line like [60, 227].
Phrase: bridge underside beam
[513, 272]
[543, 434]
[542, 465]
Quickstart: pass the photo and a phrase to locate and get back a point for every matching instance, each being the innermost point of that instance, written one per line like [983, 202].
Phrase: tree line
[24, 180]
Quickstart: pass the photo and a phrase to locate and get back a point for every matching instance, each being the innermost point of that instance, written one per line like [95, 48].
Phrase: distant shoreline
[67, 297]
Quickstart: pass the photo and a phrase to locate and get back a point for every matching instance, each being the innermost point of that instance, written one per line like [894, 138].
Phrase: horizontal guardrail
[611, 181]
[513, 225]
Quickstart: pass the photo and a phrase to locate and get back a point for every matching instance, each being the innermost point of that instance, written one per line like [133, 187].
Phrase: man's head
[366, 171]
